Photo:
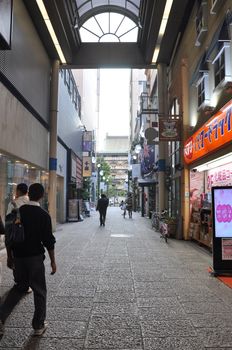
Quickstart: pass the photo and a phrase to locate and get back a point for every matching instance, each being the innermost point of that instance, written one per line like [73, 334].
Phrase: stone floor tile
[66, 329]
[195, 307]
[108, 321]
[115, 297]
[41, 343]
[173, 343]
[14, 337]
[70, 302]
[68, 314]
[115, 309]
[167, 328]
[116, 338]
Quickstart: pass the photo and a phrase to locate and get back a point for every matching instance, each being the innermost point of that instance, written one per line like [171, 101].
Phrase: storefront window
[13, 172]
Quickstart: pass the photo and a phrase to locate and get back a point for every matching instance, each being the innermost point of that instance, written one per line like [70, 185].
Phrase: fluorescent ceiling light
[51, 30]
[215, 163]
[162, 29]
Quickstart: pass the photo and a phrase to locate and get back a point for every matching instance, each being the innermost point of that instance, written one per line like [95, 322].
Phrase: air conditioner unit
[215, 5]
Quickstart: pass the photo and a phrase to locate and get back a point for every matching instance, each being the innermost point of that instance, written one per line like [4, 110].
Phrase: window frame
[203, 89]
[223, 68]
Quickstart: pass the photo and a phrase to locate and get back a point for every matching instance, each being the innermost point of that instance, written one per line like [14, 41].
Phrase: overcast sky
[114, 101]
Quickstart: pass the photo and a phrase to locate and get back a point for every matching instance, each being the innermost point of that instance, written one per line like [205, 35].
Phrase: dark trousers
[28, 272]
[102, 214]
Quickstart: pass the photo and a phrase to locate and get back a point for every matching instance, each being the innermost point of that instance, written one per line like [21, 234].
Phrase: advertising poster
[223, 212]
[196, 189]
[226, 249]
[147, 156]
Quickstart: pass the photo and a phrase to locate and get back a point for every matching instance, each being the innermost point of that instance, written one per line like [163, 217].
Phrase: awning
[147, 182]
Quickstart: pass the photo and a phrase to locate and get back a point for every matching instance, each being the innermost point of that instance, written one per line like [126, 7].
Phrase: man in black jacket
[102, 205]
[27, 260]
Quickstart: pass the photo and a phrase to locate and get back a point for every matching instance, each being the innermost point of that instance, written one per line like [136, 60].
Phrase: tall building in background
[137, 86]
[87, 82]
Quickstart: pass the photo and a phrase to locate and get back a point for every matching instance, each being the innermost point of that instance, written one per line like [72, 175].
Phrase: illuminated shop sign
[214, 134]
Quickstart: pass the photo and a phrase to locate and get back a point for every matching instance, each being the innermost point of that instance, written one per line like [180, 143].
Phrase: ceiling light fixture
[52, 33]
[162, 29]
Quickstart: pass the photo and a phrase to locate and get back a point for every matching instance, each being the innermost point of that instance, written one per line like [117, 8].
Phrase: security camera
[194, 170]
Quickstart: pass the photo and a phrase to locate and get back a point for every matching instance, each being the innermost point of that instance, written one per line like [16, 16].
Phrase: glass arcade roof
[108, 20]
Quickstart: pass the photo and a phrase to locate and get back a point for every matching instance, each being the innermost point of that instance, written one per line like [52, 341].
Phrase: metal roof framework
[67, 17]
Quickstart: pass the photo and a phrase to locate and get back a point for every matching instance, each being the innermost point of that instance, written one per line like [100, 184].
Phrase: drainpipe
[53, 142]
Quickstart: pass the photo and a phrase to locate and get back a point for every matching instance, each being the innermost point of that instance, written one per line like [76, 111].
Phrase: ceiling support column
[163, 149]
[53, 142]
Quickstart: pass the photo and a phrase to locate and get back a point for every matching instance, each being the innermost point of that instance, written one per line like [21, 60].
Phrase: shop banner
[87, 166]
[196, 190]
[169, 129]
[220, 176]
[87, 136]
[214, 134]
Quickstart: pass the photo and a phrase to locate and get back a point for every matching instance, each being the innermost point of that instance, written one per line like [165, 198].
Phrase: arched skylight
[109, 27]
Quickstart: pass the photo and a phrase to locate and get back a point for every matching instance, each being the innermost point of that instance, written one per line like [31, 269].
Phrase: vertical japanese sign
[87, 167]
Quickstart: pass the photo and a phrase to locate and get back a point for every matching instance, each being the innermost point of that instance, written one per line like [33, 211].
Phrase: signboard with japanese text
[87, 136]
[214, 134]
[87, 166]
[226, 249]
[220, 176]
[222, 229]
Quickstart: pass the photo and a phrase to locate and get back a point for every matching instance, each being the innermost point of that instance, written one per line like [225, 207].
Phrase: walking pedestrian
[123, 207]
[102, 205]
[129, 204]
[27, 259]
[21, 197]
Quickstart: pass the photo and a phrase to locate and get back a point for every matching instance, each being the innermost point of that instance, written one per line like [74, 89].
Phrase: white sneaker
[2, 328]
[40, 331]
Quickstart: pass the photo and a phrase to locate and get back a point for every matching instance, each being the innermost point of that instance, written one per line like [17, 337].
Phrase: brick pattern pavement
[120, 287]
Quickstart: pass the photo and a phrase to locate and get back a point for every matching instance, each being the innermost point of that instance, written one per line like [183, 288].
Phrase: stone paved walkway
[120, 287]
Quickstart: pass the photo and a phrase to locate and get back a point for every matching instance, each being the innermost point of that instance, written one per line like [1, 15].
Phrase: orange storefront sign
[214, 134]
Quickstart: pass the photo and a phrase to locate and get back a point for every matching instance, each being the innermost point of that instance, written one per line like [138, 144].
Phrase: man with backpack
[27, 259]
[21, 198]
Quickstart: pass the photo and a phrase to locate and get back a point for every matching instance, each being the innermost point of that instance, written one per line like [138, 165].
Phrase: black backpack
[14, 230]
